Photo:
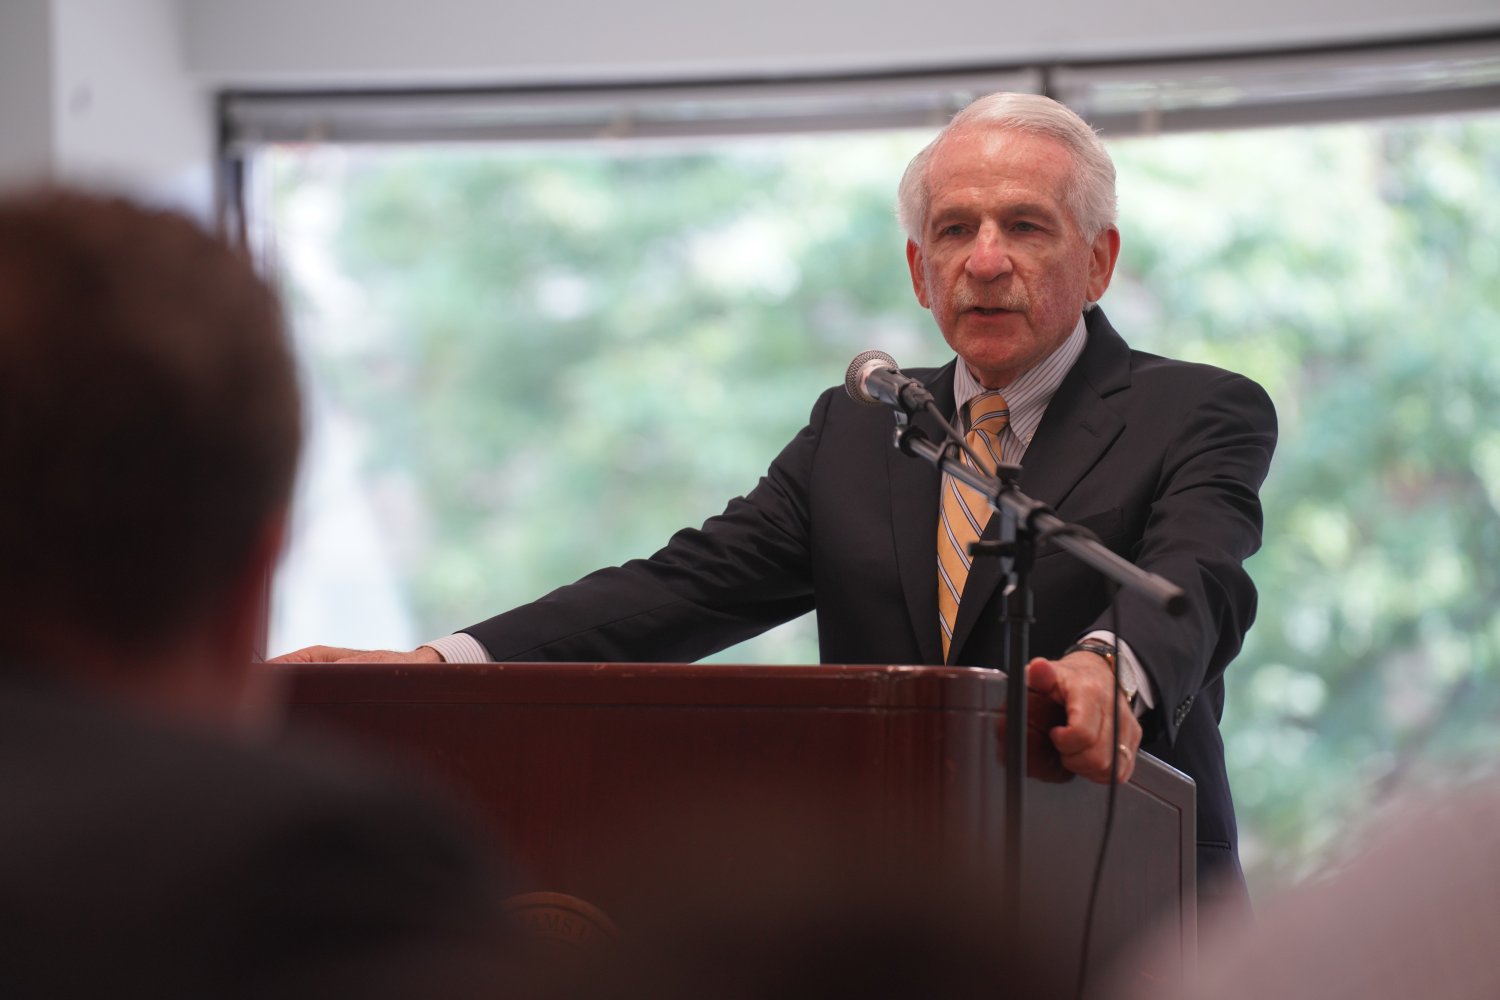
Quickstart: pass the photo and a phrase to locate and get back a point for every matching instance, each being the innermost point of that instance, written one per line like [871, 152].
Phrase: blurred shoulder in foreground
[153, 841]
[1416, 914]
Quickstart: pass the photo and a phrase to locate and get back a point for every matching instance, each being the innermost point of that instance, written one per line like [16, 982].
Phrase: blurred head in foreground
[149, 430]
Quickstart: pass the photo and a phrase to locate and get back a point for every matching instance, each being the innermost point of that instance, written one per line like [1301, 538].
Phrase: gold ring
[1124, 750]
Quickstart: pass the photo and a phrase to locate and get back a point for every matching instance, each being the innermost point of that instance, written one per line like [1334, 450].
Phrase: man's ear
[915, 262]
[1102, 257]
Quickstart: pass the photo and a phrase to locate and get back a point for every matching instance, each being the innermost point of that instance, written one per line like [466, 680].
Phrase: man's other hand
[337, 654]
[1081, 682]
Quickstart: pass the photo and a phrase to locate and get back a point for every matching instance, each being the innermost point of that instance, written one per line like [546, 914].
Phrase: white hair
[1090, 192]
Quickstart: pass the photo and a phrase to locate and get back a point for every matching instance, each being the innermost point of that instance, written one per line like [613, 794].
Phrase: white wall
[360, 41]
[94, 93]
[125, 111]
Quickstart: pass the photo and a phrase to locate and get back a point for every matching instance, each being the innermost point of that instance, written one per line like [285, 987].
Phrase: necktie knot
[988, 416]
[986, 408]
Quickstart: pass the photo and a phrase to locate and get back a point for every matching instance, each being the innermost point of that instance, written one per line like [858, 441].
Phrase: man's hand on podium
[1082, 683]
[337, 654]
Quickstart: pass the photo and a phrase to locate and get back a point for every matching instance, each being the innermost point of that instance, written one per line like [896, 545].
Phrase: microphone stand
[1025, 524]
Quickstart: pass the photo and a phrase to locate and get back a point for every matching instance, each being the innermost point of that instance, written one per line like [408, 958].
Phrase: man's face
[1002, 263]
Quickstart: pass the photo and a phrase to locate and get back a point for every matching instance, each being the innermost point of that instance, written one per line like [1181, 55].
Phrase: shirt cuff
[460, 647]
[1130, 666]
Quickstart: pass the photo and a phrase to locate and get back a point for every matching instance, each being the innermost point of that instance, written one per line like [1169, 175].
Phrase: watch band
[1100, 648]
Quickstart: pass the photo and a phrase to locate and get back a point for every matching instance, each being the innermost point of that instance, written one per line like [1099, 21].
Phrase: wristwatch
[1099, 647]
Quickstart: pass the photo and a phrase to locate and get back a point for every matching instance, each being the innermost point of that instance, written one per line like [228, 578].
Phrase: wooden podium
[577, 767]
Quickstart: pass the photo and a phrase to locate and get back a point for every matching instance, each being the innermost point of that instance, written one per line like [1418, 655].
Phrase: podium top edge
[706, 685]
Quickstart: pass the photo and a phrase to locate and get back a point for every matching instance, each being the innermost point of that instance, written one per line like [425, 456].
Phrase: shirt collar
[1028, 394]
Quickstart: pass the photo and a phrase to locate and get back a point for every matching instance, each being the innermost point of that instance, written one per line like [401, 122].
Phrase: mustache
[1014, 299]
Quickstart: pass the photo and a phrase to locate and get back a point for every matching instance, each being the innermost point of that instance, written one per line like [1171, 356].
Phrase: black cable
[957, 438]
[1109, 807]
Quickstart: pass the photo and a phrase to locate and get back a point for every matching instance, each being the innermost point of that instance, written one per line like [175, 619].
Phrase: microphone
[874, 378]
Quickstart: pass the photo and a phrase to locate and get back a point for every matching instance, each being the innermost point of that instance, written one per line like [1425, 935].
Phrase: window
[532, 359]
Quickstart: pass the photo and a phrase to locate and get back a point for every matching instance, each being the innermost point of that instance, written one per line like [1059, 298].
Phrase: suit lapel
[1075, 432]
[914, 508]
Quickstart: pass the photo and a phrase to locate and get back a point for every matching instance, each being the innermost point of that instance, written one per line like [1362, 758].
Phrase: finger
[423, 655]
[1042, 677]
[371, 656]
[1094, 758]
[312, 654]
[1124, 762]
[1095, 765]
[1086, 723]
[1130, 738]
[1085, 767]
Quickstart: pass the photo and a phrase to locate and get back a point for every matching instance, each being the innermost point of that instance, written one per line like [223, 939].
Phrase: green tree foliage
[1355, 272]
[571, 355]
[560, 357]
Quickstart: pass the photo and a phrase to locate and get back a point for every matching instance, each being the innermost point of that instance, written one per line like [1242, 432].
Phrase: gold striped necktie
[964, 511]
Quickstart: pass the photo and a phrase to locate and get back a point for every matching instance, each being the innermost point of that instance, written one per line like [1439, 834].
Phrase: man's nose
[989, 258]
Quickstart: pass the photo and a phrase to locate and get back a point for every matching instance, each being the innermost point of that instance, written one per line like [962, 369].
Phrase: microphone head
[860, 368]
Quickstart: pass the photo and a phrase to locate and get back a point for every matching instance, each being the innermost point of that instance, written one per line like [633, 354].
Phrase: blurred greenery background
[527, 362]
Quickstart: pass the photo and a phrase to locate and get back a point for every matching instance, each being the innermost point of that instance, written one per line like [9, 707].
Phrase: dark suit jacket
[1162, 459]
[138, 860]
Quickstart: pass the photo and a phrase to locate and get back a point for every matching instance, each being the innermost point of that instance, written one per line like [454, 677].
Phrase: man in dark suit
[1010, 217]
[149, 430]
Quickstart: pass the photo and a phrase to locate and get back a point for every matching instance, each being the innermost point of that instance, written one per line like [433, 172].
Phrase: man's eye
[953, 229]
